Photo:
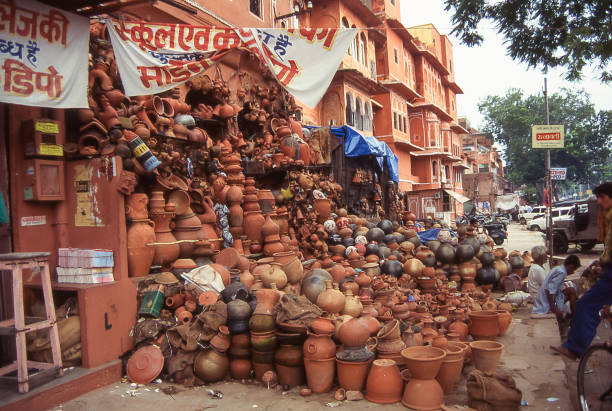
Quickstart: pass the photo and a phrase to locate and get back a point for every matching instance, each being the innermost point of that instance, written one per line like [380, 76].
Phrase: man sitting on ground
[537, 273]
[555, 291]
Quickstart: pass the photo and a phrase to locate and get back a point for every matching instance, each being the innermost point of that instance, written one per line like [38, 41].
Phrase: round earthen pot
[290, 376]
[486, 354]
[322, 326]
[422, 394]
[289, 355]
[384, 384]
[504, 321]
[240, 368]
[320, 373]
[354, 333]
[331, 300]
[319, 347]
[274, 275]
[210, 366]
[484, 324]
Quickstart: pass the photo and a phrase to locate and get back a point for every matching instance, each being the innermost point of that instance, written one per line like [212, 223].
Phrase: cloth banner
[43, 55]
[507, 201]
[152, 58]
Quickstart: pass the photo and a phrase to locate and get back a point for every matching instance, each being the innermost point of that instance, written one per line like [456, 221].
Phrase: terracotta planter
[352, 375]
[423, 362]
[422, 394]
[484, 325]
[320, 374]
[140, 256]
[504, 320]
[384, 384]
[264, 341]
[486, 354]
[240, 368]
[318, 347]
[290, 376]
[449, 374]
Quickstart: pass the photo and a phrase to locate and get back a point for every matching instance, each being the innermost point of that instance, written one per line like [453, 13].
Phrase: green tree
[545, 33]
[588, 135]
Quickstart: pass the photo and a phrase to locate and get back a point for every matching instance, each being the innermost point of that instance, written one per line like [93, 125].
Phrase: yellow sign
[140, 150]
[547, 136]
[51, 150]
[43, 127]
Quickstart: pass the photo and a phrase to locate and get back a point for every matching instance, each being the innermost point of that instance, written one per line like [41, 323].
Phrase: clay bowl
[423, 361]
[486, 354]
[181, 199]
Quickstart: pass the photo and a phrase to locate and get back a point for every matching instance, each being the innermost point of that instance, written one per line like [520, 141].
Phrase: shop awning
[459, 197]
[356, 144]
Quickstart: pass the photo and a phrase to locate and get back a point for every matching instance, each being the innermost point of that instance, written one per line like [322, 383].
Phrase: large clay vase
[484, 325]
[486, 354]
[422, 394]
[504, 320]
[252, 223]
[354, 333]
[352, 374]
[313, 283]
[384, 383]
[266, 299]
[322, 207]
[331, 300]
[140, 256]
[319, 346]
[166, 249]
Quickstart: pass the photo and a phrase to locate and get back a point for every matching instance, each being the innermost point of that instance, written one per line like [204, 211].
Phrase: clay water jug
[140, 256]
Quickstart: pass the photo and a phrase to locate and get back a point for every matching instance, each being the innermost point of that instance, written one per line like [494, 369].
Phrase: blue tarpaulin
[431, 234]
[358, 145]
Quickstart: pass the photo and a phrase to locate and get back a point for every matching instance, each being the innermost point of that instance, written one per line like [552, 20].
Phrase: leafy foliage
[588, 135]
[546, 33]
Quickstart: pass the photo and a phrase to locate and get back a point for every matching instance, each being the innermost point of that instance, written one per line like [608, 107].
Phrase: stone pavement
[538, 373]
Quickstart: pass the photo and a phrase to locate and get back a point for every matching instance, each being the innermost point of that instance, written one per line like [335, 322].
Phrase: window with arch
[434, 170]
[355, 45]
[447, 174]
[405, 125]
[367, 122]
[255, 7]
[359, 114]
[362, 49]
[345, 24]
[350, 120]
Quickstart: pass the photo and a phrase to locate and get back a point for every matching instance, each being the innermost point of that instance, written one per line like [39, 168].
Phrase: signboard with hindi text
[43, 55]
[152, 58]
[558, 173]
[547, 136]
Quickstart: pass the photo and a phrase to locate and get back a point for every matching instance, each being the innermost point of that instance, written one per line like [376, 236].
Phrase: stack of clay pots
[353, 361]
[289, 356]
[320, 356]
[422, 390]
[390, 343]
[240, 356]
[262, 327]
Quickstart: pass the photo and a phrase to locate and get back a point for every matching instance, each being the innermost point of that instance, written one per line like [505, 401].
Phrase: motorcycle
[497, 232]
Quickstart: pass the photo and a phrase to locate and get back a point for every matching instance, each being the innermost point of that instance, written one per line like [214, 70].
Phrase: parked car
[526, 217]
[539, 222]
[581, 229]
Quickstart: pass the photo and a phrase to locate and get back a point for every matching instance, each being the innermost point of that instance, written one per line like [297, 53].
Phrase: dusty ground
[540, 375]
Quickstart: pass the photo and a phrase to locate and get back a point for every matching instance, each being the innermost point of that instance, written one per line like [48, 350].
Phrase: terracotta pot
[412, 339]
[460, 328]
[221, 341]
[322, 207]
[384, 384]
[223, 272]
[504, 321]
[352, 374]
[290, 376]
[293, 269]
[274, 275]
[140, 256]
[390, 346]
[331, 300]
[266, 299]
[289, 355]
[247, 279]
[319, 347]
[422, 394]
[261, 368]
[449, 374]
[165, 252]
[252, 223]
[440, 341]
[262, 357]
[352, 305]
[423, 362]
[320, 374]
[486, 354]
[240, 368]
[390, 331]
[354, 333]
[322, 326]
[175, 301]
[484, 325]
[263, 341]
[210, 366]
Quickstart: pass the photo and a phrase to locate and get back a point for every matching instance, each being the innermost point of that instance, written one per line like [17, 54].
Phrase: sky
[487, 70]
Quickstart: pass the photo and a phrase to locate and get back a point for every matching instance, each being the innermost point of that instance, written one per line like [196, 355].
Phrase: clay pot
[414, 267]
[384, 384]
[352, 305]
[140, 256]
[314, 283]
[352, 374]
[221, 341]
[390, 346]
[460, 328]
[175, 301]
[320, 374]
[504, 320]
[422, 394]
[319, 347]
[290, 376]
[322, 207]
[484, 325]
[263, 341]
[252, 223]
[331, 300]
[261, 369]
[289, 355]
[449, 374]
[411, 338]
[423, 362]
[390, 331]
[240, 368]
[210, 366]
[486, 354]
[322, 326]
[354, 333]
[274, 275]
[266, 299]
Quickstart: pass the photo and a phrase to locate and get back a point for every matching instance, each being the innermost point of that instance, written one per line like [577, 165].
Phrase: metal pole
[549, 219]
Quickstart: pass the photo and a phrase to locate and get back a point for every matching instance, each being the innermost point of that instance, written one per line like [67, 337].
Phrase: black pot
[400, 238]
[238, 327]
[486, 275]
[386, 226]
[313, 283]
[349, 241]
[372, 249]
[353, 227]
[375, 234]
[238, 310]
[445, 254]
[433, 245]
[389, 238]
[370, 225]
[397, 254]
[415, 240]
[235, 290]
[384, 251]
[430, 261]
[465, 252]
[487, 259]
[392, 267]
[472, 240]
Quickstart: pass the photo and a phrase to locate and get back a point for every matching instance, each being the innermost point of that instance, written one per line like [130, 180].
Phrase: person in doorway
[555, 291]
[537, 273]
[586, 319]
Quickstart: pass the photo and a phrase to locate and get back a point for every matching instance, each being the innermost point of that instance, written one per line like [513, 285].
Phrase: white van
[558, 214]
[526, 217]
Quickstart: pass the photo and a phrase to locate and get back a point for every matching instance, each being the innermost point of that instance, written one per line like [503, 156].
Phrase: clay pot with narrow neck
[266, 299]
[140, 256]
[331, 300]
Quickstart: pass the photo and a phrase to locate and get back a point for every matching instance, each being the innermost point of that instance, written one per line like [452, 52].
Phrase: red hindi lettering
[50, 83]
[17, 78]
[7, 15]
[150, 74]
[287, 72]
[142, 34]
[327, 35]
[225, 39]
[121, 30]
[54, 27]
[164, 37]
[29, 19]
[183, 39]
[179, 71]
[201, 38]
